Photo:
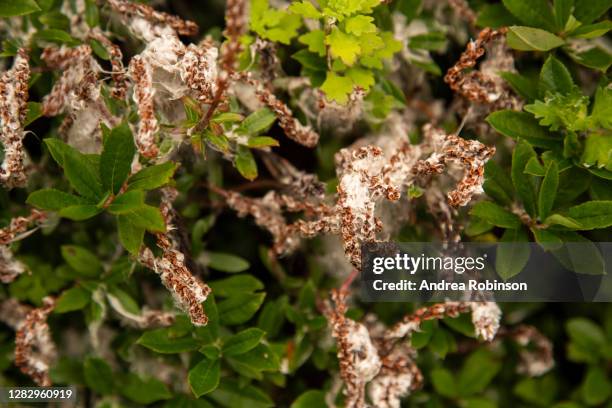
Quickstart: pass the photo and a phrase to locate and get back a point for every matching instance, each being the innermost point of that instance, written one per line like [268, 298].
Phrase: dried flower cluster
[381, 360]
[34, 347]
[13, 110]
[188, 291]
[365, 176]
[476, 85]
[11, 268]
[137, 10]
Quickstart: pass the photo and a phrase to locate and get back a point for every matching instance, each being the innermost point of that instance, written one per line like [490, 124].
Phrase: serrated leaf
[496, 215]
[512, 253]
[315, 40]
[306, 9]
[147, 217]
[53, 200]
[343, 46]
[12, 8]
[152, 177]
[231, 394]
[535, 13]
[116, 158]
[602, 108]
[554, 77]
[160, 341]
[242, 342]
[363, 78]
[360, 24]
[532, 39]
[80, 212]
[337, 88]
[127, 202]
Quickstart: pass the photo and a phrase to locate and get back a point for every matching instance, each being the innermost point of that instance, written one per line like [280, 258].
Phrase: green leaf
[310, 399]
[142, 390]
[80, 212]
[563, 11]
[558, 219]
[225, 262]
[231, 394]
[583, 258]
[98, 375]
[592, 30]
[262, 141]
[359, 24]
[548, 190]
[337, 88]
[34, 112]
[240, 308]
[272, 316]
[305, 8]
[526, 87]
[92, 15]
[586, 334]
[127, 202]
[209, 333]
[245, 163]
[495, 16]
[495, 215]
[602, 108]
[11, 8]
[75, 298]
[521, 125]
[598, 151]
[55, 36]
[315, 40]
[130, 234]
[242, 283]
[512, 253]
[116, 158]
[567, 111]
[434, 41]
[253, 362]
[597, 387]
[532, 39]
[204, 377]
[147, 217]
[53, 200]
[343, 46]
[257, 122]
[152, 177]
[594, 57]
[592, 214]
[554, 77]
[82, 174]
[161, 341]
[242, 342]
[444, 383]
[523, 186]
[535, 13]
[498, 184]
[477, 372]
[590, 10]
[363, 78]
[82, 260]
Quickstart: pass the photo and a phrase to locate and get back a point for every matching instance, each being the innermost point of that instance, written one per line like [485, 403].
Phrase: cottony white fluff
[485, 317]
